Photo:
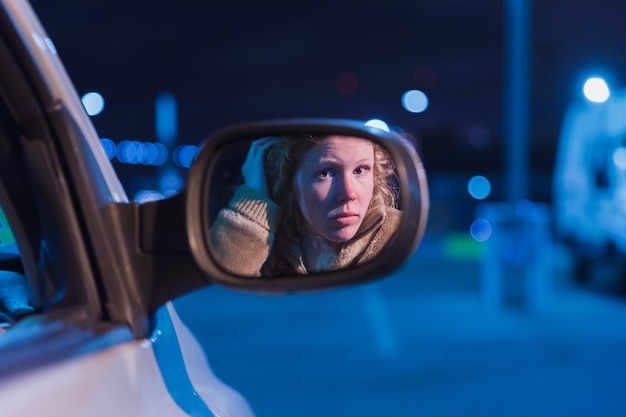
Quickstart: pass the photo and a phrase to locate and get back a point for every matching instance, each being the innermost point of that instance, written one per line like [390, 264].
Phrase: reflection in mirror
[296, 205]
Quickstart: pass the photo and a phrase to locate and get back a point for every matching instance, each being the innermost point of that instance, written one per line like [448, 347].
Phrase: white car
[86, 276]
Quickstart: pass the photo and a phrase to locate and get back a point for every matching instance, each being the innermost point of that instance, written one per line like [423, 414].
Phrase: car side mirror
[304, 204]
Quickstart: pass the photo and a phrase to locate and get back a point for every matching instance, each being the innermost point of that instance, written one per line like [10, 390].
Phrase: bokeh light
[479, 187]
[93, 103]
[184, 155]
[425, 76]
[414, 101]
[347, 84]
[596, 90]
[379, 124]
[481, 230]
[109, 147]
[619, 158]
[144, 153]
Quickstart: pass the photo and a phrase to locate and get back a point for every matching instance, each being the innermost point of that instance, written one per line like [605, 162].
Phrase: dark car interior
[14, 292]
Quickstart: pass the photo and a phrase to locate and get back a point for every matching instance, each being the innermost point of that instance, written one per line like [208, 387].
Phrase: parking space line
[380, 320]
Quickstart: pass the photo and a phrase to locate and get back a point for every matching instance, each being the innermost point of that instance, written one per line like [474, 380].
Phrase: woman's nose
[345, 191]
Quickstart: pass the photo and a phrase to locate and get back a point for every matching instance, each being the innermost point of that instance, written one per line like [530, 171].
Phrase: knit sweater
[243, 236]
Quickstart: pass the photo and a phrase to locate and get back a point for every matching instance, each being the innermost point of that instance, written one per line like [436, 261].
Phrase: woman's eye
[361, 170]
[324, 173]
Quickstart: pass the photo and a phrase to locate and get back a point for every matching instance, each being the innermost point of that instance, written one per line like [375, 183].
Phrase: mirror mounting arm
[163, 238]
[162, 226]
[153, 261]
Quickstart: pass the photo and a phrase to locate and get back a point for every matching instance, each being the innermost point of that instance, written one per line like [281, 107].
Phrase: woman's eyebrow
[339, 160]
[327, 160]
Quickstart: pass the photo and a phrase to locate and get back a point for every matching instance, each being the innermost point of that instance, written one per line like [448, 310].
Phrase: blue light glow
[183, 155]
[145, 153]
[414, 101]
[377, 123]
[143, 196]
[166, 110]
[481, 230]
[479, 187]
[170, 182]
[109, 147]
[93, 103]
[619, 158]
[596, 90]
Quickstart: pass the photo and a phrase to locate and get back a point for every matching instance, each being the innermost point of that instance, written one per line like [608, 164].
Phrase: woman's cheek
[319, 190]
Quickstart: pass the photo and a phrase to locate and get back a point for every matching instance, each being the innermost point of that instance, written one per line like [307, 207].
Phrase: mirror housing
[413, 193]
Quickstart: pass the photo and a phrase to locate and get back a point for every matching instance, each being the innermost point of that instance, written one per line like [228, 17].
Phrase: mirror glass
[301, 204]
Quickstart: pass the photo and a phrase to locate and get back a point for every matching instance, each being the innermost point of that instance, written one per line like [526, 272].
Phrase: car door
[78, 339]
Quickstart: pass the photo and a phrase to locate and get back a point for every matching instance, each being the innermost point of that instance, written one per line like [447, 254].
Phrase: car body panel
[114, 375]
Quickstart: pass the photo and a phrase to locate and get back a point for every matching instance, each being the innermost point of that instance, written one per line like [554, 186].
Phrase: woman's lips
[346, 219]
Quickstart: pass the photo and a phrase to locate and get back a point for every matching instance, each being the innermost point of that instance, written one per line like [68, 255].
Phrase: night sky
[250, 60]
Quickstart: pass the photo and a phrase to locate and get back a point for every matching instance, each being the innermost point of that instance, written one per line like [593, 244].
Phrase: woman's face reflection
[334, 185]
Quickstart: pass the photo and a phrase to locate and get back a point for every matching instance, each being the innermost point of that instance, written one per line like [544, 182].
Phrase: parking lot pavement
[418, 343]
